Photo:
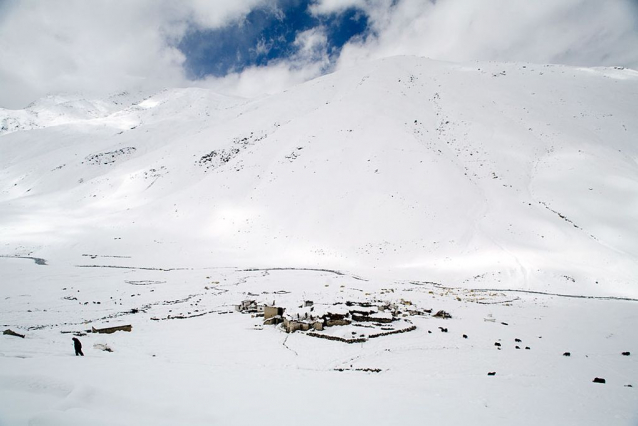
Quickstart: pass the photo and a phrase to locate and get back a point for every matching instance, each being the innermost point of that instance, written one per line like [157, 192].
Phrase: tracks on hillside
[511, 290]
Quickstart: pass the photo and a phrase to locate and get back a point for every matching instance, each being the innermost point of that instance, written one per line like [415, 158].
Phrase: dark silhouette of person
[78, 347]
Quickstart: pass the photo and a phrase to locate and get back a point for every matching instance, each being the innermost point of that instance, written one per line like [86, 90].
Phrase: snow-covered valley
[503, 193]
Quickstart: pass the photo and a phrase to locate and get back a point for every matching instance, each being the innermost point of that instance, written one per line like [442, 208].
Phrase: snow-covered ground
[500, 193]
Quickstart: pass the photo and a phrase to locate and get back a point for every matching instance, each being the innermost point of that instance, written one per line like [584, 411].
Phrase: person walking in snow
[78, 347]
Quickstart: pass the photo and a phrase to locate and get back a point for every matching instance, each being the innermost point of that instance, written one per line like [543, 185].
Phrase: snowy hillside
[505, 194]
[493, 175]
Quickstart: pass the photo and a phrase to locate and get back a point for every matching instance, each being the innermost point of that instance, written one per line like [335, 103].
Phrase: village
[348, 322]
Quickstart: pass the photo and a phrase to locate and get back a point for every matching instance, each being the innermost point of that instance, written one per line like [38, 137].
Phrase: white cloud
[217, 13]
[101, 46]
[580, 32]
[327, 7]
[308, 62]
[312, 47]
[257, 81]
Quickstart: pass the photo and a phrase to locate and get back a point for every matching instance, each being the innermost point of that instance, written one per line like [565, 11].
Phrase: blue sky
[265, 35]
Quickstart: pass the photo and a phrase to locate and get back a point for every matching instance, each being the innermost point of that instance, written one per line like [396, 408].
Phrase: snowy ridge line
[562, 216]
[497, 303]
[37, 260]
[173, 317]
[332, 271]
[131, 311]
[134, 267]
[93, 256]
[573, 296]
[543, 293]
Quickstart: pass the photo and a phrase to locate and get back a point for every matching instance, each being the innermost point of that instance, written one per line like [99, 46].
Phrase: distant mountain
[485, 175]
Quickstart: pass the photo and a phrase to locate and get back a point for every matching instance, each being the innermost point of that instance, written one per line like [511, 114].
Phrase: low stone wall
[337, 339]
[387, 333]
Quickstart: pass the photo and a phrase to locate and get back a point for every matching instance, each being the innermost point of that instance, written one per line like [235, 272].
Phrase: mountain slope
[479, 175]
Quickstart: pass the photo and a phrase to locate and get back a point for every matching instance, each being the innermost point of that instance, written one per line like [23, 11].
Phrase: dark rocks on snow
[567, 354]
[443, 330]
[527, 347]
[518, 340]
[465, 336]
[497, 344]
[442, 314]
[492, 373]
[626, 353]
[599, 380]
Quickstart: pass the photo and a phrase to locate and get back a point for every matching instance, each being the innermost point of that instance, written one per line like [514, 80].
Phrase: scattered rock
[497, 344]
[527, 347]
[366, 370]
[109, 157]
[442, 314]
[492, 373]
[518, 340]
[626, 353]
[465, 336]
[628, 386]
[504, 323]
[517, 347]
[567, 354]
[443, 330]
[599, 380]
[102, 347]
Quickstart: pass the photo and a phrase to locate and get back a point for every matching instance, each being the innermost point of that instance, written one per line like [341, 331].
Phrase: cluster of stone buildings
[363, 319]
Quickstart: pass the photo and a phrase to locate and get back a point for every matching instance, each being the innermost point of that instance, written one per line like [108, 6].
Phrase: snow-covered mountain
[498, 175]
[505, 195]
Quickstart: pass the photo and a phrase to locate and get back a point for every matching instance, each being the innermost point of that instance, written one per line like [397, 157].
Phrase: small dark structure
[249, 306]
[465, 336]
[109, 330]
[626, 353]
[273, 315]
[9, 332]
[492, 373]
[497, 344]
[599, 380]
[567, 354]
